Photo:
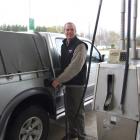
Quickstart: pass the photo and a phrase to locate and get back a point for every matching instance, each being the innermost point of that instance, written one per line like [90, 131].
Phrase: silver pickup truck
[27, 62]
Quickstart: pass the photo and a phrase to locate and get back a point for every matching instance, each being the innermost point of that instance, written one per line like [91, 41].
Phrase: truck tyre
[30, 124]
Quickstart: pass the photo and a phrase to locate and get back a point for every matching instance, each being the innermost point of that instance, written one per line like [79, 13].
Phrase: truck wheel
[30, 124]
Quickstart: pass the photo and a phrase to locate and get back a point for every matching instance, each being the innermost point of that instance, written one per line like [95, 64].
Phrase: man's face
[69, 31]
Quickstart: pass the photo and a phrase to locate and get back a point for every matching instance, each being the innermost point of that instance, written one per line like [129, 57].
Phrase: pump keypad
[123, 56]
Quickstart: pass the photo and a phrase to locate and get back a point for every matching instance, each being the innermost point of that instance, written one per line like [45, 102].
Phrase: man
[73, 76]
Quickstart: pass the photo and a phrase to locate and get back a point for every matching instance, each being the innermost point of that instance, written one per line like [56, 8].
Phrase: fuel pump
[118, 95]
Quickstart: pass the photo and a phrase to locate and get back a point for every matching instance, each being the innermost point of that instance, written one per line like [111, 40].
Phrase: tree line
[107, 38]
[22, 28]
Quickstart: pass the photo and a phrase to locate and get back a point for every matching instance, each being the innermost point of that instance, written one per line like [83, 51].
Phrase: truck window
[56, 57]
[58, 42]
[2, 72]
[95, 53]
[19, 52]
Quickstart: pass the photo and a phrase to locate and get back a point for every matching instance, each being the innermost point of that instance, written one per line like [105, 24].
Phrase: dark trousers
[72, 98]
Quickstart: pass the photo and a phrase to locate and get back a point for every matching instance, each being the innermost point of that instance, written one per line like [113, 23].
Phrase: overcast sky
[57, 12]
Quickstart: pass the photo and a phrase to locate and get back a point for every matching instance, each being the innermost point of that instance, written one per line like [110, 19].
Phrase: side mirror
[102, 57]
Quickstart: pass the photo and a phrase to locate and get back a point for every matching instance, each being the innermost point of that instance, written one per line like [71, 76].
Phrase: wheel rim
[31, 129]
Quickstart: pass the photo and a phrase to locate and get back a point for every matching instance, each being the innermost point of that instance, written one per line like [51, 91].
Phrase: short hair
[71, 23]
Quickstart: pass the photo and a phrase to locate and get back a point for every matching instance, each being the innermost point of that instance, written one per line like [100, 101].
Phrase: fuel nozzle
[48, 82]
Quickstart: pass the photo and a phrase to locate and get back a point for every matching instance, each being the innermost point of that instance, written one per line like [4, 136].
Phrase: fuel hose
[127, 59]
[91, 50]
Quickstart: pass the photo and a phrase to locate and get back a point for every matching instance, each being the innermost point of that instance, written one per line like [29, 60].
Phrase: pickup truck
[27, 102]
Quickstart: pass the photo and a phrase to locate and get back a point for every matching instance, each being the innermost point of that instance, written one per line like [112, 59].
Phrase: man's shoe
[69, 137]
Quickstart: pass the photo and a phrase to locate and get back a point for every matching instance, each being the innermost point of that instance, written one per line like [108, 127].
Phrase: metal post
[134, 30]
[122, 25]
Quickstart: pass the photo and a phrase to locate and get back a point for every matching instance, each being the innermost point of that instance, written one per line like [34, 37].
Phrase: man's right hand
[56, 84]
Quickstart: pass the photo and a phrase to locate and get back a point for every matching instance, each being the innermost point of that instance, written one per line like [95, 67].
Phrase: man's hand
[56, 84]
